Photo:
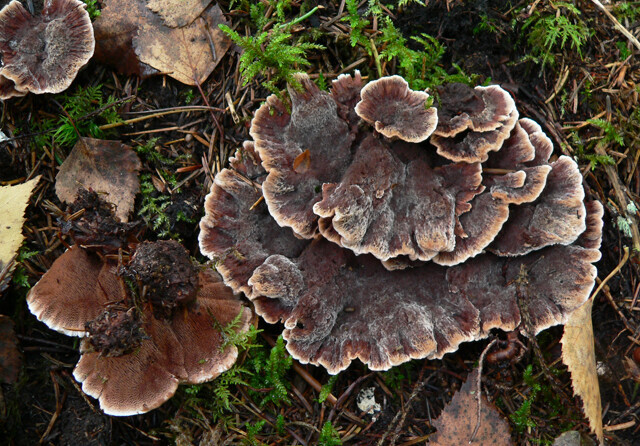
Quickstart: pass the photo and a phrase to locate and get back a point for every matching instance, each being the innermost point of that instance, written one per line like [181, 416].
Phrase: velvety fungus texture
[371, 244]
[43, 54]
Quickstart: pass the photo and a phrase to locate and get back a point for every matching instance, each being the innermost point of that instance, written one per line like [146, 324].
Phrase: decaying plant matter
[434, 232]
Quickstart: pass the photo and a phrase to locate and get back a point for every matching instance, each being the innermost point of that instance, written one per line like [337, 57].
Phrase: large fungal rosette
[136, 350]
[338, 304]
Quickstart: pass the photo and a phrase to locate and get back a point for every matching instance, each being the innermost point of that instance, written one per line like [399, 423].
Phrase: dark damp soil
[485, 38]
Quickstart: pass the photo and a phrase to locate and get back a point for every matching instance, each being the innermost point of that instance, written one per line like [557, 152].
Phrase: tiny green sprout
[327, 388]
[280, 425]
[92, 9]
[428, 103]
[202, 361]
[329, 436]
[624, 50]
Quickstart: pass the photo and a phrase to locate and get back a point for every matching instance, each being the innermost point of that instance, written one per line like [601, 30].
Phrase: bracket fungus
[369, 243]
[137, 347]
[43, 54]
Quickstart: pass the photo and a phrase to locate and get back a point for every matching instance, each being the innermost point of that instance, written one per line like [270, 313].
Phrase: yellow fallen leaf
[13, 202]
[579, 355]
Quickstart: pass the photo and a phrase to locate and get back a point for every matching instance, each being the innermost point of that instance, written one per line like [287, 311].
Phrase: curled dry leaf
[13, 202]
[115, 29]
[179, 13]
[180, 38]
[578, 354]
[109, 168]
[457, 422]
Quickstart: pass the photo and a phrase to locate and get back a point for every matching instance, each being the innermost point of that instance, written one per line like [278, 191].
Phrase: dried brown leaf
[579, 355]
[107, 167]
[114, 31]
[633, 370]
[302, 162]
[188, 54]
[178, 13]
[13, 202]
[457, 422]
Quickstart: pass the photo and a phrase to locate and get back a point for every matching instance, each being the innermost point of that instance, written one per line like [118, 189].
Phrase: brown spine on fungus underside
[140, 342]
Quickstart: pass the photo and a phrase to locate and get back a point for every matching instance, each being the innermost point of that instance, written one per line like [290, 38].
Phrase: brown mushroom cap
[43, 54]
[8, 88]
[397, 111]
[472, 123]
[137, 382]
[74, 291]
[345, 90]
[557, 216]
[201, 337]
[185, 349]
[387, 198]
[240, 239]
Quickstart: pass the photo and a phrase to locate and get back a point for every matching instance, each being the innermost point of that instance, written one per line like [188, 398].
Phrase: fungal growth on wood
[43, 54]
[142, 338]
[424, 242]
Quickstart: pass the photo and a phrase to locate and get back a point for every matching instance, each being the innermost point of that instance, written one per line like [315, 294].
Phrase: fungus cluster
[42, 54]
[381, 226]
[147, 324]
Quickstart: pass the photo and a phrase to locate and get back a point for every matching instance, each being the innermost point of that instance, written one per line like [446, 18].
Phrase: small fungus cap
[397, 111]
[43, 54]
[473, 122]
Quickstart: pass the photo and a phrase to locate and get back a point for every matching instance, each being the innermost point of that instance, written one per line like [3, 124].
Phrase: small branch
[617, 25]
[619, 191]
[155, 115]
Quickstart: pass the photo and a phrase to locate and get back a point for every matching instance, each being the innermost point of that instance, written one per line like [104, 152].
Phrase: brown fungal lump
[509, 232]
[43, 54]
